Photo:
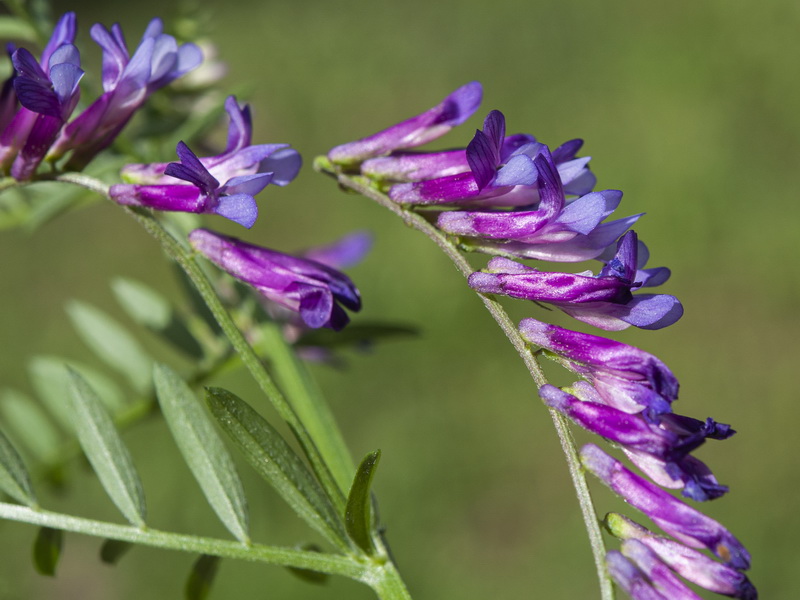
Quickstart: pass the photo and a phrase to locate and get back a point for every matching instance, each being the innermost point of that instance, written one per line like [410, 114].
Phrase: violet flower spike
[678, 519]
[687, 562]
[233, 200]
[239, 158]
[604, 300]
[309, 288]
[624, 376]
[555, 231]
[456, 108]
[17, 129]
[127, 81]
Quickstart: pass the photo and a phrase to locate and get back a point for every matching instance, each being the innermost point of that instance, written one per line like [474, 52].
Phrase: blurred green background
[690, 108]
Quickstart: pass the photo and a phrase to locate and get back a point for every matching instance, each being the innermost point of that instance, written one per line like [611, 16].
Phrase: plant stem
[577, 474]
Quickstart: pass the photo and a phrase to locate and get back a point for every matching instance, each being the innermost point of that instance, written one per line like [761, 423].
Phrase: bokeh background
[690, 108]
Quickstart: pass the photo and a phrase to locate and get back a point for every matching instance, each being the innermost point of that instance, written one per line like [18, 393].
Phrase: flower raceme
[313, 290]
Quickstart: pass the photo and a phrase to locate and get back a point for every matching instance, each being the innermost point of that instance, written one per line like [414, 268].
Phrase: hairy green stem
[576, 471]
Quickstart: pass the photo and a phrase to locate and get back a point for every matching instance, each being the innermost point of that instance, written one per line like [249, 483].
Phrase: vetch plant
[509, 196]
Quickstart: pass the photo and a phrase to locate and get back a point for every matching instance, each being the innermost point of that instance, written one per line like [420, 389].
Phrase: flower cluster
[511, 196]
[48, 92]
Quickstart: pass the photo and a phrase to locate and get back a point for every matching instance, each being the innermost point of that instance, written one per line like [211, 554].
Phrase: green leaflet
[105, 450]
[358, 516]
[203, 451]
[275, 461]
[198, 585]
[112, 343]
[14, 478]
[113, 550]
[47, 550]
[30, 425]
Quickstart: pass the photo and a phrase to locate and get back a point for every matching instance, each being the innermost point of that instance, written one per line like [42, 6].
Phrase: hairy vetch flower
[684, 523]
[456, 108]
[233, 200]
[630, 578]
[309, 288]
[499, 174]
[604, 300]
[48, 91]
[127, 83]
[687, 562]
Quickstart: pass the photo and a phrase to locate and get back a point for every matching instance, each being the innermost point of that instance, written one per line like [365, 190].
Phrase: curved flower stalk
[128, 80]
[311, 289]
[47, 90]
[521, 192]
[603, 300]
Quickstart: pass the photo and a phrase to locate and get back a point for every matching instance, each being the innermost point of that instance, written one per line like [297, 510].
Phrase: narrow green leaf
[113, 550]
[112, 343]
[308, 575]
[149, 308]
[105, 450]
[275, 461]
[14, 478]
[358, 516]
[47, 550]
[202, 576]
[30, 425]
[49, 377]
[203, 451]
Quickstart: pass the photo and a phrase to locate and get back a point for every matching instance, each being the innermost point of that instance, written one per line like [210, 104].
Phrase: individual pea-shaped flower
[604, 300]
[127, 83]
[661, 577]
[687, 562]
[456, 108]
[496, 178]
[233, 200]
[686, 473]
[684, 523]
[304, 286]
[17, 127]
[239, 157]
[630, 578]
[624, 376]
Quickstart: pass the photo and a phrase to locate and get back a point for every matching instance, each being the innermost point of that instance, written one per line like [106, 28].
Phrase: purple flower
[499, 175]
[625, 377]
[555, 231]
[690, 564]
[233, 200]
[48, 97]
[659, 574]
[678, 519]
[687, 473]
[309, 288]
[453, 110]
[238, 159]
[604, 300]
[630, 578]
[127, 82]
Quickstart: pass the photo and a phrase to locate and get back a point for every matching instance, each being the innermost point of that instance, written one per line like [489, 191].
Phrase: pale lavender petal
[343, 253]
[246, 184]
[653, 311]
[239, 208]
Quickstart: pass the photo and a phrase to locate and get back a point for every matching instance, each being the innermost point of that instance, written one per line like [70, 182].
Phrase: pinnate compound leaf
[14, 478]
[358, 516]
[203, 451]
[105, 450]
[201, 578]
[148, 307]
[112, 343]
[47, 550]
[113, 550]
[273, 459]
[30, 425]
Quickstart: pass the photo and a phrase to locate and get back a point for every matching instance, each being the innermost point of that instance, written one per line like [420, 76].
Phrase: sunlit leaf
[203, 451]
[113, 550]
[105, 450]
[112, 343]
[201, 578]
[358, 516]
[14, 478]
[30, 425]
[274, 459]
[47, 550]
